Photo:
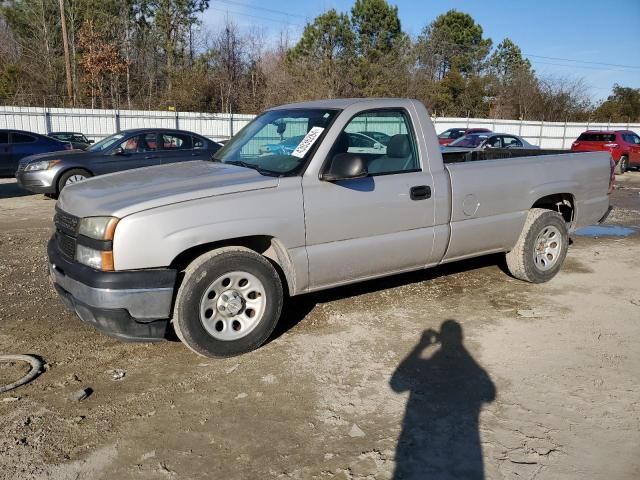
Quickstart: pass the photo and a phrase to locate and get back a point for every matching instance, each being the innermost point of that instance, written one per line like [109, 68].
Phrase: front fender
[154, 238]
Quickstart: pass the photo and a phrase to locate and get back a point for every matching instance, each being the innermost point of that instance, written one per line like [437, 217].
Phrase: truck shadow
[440, 435]
[297, 308]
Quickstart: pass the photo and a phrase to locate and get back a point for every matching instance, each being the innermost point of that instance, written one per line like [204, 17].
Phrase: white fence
[545, 134]
[96, 124]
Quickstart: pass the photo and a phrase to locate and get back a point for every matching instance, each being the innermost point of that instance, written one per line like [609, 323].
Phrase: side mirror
[118, 151]
[345, 166]
[91, 141]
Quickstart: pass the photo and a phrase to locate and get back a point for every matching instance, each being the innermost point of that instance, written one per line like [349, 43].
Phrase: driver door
[367, 227]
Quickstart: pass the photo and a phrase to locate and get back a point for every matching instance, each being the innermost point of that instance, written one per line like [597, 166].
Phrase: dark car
[451, 134]
[77, 140]
[50, 173]
[17, 144]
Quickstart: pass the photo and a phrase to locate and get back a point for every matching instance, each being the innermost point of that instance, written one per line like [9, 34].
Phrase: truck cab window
[385, 139]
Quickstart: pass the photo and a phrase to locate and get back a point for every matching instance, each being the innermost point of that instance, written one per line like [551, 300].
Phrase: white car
[485, 140]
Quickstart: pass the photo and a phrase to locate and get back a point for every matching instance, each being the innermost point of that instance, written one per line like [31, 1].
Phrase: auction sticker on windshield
[307, 142]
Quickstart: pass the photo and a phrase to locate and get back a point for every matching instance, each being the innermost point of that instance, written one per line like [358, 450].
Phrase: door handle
[147, 157]
[420, 192]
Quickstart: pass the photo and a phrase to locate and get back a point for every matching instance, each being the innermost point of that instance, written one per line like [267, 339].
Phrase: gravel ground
[460, 369]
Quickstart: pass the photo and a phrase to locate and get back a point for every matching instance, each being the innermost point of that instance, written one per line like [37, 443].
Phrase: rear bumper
[132, 305]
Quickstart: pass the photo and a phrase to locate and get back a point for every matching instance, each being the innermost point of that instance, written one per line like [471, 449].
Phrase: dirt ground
[525, 381]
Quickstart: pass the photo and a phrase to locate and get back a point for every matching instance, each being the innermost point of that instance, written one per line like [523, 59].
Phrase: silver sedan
[486, 140]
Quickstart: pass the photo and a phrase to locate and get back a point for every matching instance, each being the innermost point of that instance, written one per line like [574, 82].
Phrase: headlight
[42, 165]
[98, 259]
[98, 228]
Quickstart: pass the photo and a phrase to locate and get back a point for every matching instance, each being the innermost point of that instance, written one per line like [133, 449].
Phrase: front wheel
[72, 176]
[229, 302]
[541, 247]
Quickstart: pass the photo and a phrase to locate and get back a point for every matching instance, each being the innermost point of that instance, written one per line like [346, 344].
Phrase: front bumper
[40, 181]
[131, 305]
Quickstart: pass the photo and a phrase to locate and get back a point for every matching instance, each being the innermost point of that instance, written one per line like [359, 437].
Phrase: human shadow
[440, 436]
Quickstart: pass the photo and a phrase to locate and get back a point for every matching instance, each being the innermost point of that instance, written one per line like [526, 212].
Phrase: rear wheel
[541, 248]
[229, 302]
[72, 176]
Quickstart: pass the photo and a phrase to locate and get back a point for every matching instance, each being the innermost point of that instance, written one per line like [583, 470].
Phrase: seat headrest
[399, 146]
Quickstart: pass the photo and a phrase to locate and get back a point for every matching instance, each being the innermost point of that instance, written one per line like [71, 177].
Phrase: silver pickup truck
[306, 197]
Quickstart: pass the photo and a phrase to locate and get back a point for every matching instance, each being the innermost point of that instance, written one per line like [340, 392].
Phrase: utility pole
[67, 61]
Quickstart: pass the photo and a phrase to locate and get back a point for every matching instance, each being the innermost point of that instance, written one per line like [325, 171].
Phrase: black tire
[199, 276]
[624, 167]
[70, 173]
[522, 259]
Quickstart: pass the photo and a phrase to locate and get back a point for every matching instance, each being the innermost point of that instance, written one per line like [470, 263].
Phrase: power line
[538, 62]
[242, 14]
[264, 9]
[580, 61]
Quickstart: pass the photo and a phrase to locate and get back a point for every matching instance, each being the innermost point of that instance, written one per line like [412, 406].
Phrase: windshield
[106, 142]
[469, 141]
[278, 141]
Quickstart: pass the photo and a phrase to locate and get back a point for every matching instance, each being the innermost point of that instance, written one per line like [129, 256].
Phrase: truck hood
[123, 193]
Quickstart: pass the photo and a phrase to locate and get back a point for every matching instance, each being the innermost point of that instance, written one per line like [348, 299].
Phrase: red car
[451, 134]
[624, 146]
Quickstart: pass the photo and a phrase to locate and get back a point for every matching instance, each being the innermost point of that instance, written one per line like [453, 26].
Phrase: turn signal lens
[98, 259]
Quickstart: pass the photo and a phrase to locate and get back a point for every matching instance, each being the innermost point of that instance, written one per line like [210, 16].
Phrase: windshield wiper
[255, 167]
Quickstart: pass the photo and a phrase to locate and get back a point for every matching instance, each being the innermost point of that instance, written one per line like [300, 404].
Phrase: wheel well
[62, 172]
[563, 203]
[269, 247]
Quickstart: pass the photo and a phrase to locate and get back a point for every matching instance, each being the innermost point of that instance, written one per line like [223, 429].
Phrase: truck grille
[66, 244]
[66, 232]
[66, 223]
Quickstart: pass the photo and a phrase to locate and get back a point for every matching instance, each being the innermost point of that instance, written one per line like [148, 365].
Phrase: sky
[596, 41]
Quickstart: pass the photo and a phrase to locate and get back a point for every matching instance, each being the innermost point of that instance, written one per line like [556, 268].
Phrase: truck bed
[490, 200]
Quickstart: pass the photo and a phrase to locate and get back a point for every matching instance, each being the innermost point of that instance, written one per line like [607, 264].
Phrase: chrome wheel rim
[547, 248]
[74, 179]
[232, 306]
